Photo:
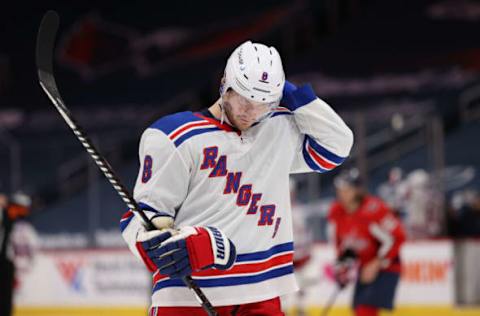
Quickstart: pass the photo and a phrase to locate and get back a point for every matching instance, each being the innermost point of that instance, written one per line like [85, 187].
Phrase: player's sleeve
[325, 140]
[161, 184]
[389, 232]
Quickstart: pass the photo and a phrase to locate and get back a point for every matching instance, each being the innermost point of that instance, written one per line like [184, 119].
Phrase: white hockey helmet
[255, 72]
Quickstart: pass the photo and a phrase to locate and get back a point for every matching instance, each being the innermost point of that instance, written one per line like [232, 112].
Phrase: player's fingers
[183, 269]
[155, 240]
[180, 255]
[166, 250]
[174, 256]
[174, 266]
[167, 268]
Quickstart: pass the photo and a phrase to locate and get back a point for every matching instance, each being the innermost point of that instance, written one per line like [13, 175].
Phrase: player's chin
[243, 125]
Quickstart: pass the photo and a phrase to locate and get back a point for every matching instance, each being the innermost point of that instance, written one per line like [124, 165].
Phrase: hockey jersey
[202, 172]
[370, 231]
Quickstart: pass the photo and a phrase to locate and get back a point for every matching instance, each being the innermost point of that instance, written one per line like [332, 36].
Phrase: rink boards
[112, 282]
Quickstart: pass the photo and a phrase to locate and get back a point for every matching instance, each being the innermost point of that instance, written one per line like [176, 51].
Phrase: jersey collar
[208, 116]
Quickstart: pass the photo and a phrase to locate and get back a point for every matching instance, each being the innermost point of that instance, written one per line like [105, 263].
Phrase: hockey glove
[345, 268]
[294, 97]
[191, 249]
[151, 239]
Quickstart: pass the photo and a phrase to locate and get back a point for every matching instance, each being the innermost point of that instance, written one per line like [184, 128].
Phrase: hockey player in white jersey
[220, 178]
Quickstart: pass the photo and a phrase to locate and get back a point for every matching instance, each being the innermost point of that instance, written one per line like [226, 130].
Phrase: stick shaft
[44, 58]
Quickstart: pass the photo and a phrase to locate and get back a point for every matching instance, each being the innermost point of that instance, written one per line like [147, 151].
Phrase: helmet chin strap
[224, 117]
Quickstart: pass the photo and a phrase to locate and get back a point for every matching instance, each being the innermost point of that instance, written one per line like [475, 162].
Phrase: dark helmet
[349, 177]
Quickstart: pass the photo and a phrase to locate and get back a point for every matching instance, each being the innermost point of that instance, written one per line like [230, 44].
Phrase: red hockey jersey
[370, 231]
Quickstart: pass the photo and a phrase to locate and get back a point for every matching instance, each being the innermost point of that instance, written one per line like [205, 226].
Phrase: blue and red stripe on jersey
[183, 125]
[216, 122]
[128, 216]
[280, 110]
[319, 158]
[187, 130]
[125, 220]
[169, 123]
[248, 268]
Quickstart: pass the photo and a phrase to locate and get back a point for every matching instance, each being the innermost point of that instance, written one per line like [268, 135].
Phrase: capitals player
[221, 178]
[366, 231]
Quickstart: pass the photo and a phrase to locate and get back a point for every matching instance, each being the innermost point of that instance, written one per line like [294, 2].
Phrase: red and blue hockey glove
[152, 238]
[191, 249]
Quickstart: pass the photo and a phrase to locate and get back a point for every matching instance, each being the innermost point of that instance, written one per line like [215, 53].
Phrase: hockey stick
[44, 58]
[331, 301]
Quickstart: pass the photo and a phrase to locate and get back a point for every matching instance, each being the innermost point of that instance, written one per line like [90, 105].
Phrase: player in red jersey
[366, 230]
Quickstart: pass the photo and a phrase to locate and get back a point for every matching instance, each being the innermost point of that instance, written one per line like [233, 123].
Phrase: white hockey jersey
[202, 172]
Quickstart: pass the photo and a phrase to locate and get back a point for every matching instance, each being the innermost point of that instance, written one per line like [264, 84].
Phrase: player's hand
[370, 271]
[288, 87]
[343, 273]
[151, 239]
[294, 97]
[191, 249]
[288, 99]
[345, 268]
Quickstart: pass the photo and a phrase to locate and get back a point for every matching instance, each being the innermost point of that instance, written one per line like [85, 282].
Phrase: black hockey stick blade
[47, 34]
[44, 58]
[46, 41]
